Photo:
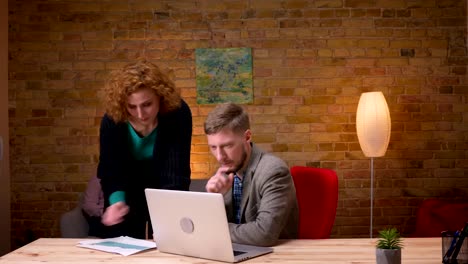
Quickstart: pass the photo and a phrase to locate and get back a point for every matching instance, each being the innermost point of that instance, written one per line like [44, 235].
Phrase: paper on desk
[123, 245]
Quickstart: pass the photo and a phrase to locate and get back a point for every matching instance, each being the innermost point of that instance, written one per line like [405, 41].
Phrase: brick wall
[312, 60]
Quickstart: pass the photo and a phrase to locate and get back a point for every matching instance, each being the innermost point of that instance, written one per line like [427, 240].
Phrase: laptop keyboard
[237, 253]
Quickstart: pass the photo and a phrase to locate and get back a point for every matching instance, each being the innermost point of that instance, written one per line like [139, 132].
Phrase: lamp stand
[371, 193]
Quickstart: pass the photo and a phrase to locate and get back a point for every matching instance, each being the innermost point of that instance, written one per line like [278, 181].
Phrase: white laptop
[195, 224]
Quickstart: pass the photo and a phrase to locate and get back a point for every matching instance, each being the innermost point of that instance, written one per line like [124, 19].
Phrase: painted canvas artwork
[224, 75]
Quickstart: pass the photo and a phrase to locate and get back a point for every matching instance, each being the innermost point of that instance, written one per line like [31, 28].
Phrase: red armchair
[435, 215]
[317, 196]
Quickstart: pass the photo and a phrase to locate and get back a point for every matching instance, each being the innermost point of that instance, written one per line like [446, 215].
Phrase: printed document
[123, 245]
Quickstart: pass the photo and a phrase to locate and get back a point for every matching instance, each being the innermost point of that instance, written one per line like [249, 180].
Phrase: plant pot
[388, 256]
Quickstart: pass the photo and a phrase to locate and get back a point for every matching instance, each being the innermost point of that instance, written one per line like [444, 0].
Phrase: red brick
[359, 3]
[308, 76]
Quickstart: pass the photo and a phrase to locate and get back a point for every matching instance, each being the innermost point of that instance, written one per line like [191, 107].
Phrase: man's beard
[241, 163]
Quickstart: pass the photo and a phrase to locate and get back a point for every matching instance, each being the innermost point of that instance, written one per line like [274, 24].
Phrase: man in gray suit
[258, 189]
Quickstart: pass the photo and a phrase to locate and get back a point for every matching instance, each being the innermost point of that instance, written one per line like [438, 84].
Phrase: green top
[141, 148]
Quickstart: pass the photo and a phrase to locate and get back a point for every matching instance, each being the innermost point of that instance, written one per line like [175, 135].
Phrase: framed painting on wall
[224, 75]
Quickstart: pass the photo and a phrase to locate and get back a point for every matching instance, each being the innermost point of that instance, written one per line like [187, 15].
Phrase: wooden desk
[355, 251]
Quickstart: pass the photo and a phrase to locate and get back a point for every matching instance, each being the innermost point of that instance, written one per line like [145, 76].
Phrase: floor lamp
[373, 130]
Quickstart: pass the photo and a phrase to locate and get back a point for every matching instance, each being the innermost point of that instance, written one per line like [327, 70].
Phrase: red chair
[435, 215]
[317, 196]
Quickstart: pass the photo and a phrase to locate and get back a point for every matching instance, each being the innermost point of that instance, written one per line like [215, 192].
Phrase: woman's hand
[115, 213]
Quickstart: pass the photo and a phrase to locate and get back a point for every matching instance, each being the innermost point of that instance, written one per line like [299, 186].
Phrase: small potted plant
[389, 247]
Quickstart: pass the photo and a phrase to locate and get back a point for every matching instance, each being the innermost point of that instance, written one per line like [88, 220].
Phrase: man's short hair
[227, 115]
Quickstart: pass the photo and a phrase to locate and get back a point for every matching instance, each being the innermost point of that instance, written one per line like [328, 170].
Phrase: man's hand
[115, 213]
[221, 182]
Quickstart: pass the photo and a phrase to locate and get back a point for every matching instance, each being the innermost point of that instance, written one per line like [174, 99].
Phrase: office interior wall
[311, 61]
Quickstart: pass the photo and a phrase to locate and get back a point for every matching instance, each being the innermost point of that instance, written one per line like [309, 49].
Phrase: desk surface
[355, 251]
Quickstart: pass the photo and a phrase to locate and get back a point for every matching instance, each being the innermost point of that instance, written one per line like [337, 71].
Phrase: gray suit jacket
[269, 208]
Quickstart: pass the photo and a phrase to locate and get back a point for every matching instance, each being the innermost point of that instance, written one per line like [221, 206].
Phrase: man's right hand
[115, 213]
[221, 182]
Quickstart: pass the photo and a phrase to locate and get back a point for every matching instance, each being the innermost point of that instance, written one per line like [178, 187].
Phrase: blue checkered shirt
[237, 197]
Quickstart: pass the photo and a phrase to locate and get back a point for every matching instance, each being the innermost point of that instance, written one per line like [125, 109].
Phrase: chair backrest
[435, 215]
[317, 197]
[73, 224]
[198, 185]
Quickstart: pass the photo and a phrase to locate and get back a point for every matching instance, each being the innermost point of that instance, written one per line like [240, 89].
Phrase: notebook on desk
[195, 224]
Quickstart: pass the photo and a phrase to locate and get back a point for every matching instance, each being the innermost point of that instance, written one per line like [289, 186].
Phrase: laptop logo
[186, 224]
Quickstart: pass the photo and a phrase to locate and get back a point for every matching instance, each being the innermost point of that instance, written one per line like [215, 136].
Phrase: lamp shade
[373, 124]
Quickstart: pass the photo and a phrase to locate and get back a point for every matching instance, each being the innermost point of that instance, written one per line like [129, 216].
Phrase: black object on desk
[459, 245]
[456, 247]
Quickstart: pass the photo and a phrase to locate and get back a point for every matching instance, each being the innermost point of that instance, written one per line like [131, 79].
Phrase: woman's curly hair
[135, 76]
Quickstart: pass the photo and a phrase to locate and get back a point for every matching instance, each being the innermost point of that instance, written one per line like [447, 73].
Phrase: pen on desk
[450, 250]
[463, 234]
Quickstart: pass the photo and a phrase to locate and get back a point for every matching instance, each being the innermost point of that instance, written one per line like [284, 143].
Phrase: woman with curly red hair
[145, 141]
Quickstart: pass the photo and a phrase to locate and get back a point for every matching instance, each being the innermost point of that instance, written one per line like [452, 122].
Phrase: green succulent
[389, 239]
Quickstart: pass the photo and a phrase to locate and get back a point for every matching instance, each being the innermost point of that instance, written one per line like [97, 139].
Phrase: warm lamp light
[373, 130]
[373, 124]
